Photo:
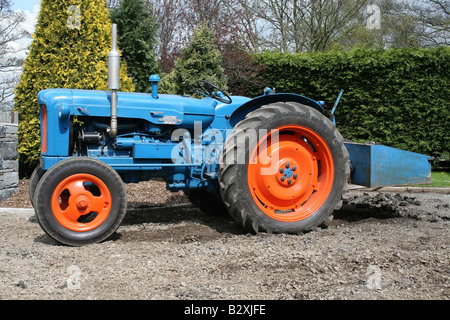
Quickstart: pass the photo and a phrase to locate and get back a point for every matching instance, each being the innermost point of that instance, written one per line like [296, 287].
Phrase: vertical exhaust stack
[113, 79]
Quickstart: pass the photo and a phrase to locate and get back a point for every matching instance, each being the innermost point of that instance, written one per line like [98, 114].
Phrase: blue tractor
[275, 162]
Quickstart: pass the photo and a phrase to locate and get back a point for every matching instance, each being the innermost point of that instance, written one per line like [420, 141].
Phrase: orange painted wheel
[291, 173]
[81, 202]
[295, 170]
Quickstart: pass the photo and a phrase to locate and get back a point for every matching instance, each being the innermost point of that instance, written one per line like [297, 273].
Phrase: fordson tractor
[275, 162]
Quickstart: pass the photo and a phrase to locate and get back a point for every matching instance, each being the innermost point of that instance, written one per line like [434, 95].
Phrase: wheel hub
[288, 174]
[82, 203]
[72, 200]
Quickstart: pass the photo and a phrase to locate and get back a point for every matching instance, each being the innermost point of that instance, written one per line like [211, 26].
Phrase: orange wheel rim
[290, 173]
[81, 202]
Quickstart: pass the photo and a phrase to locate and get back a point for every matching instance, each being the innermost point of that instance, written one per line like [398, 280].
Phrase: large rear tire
[288, 179]
[80, 201]
[207, 202]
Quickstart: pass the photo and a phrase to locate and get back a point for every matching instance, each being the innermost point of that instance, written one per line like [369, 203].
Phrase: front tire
[80, 201]
[289, 180]
[34, 180]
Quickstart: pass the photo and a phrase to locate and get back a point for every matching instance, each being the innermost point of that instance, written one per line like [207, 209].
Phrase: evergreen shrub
[397, 97]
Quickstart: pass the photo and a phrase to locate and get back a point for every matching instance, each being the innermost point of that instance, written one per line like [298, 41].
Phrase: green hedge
[399, 97]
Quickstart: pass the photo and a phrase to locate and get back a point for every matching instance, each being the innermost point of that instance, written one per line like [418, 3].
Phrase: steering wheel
[210, 90]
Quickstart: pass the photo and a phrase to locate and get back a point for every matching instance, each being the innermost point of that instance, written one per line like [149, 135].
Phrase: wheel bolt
[287, 165]
[294, 168]
[281, 170]
[289, 181]
[295, 176]
[282, 178]
[82, 205]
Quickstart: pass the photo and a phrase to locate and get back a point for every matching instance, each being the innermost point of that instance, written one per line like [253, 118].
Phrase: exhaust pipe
[113, 79]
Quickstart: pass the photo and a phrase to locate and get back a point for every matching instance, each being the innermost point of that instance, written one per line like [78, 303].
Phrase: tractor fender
[240, 113]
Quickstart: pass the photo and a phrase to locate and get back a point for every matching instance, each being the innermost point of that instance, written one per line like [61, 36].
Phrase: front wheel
[80, 201]
[34, 180]
[284, 169]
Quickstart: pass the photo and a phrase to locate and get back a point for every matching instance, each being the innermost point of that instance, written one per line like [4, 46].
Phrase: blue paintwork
[141, 155]
[154, 79]
[332, 118]
[129, 105]
[378, 165]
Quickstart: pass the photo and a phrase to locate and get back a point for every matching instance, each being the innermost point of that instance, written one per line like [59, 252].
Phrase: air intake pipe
[113, 79]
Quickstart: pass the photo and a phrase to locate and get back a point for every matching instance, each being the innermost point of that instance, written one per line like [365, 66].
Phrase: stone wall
[9, 162]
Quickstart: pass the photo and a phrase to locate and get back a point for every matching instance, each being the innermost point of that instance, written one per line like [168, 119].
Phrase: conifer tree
[137, 38]
[200, 60]
[69, 50]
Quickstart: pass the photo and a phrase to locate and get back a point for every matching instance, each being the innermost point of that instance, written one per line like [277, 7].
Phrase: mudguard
[240, 113]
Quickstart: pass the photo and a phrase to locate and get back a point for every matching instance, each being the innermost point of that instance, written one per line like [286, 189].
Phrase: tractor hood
[166, 109]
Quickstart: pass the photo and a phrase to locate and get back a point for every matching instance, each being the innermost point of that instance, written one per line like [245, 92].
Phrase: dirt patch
[152, 193]
[379, 246]
[182, 233]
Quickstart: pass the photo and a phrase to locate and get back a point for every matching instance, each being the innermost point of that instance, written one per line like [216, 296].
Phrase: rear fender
[240, 113]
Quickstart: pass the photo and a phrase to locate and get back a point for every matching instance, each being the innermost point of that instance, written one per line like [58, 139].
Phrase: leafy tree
[70, 50]
[200, 59]
[319, 26]
[404, 24]
[137, 37]
[306, 25]
[242, 69]
[231, 21]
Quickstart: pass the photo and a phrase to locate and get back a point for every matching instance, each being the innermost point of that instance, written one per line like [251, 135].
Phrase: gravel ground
[379, 246]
